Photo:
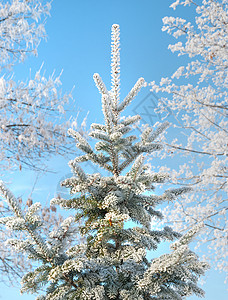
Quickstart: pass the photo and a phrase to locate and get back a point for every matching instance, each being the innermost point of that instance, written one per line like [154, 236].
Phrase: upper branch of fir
[115, 64]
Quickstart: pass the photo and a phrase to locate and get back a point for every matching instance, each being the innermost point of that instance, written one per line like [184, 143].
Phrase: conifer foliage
[112, 263]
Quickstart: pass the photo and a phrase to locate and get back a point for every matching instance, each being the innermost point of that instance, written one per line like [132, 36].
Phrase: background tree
[30, 126]
[197, 96]
[32, 116]
[112, 263]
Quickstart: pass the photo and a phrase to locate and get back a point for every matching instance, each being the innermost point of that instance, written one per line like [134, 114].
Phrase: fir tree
[112, 263]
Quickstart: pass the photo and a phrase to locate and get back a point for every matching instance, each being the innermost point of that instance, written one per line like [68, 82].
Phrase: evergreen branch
[132, 94]
[11, 200]
[106, 111]
[115, 65]
[100, 84]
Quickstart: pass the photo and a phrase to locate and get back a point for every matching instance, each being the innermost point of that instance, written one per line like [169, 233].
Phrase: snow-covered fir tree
[112, 263]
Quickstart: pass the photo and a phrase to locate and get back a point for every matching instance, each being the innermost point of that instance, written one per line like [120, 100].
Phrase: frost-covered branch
[21, 28]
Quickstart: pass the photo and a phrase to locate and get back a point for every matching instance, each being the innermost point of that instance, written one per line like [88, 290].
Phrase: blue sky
[79, 43]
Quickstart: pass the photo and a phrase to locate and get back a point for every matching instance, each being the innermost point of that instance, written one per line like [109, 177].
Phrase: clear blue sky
[79, 43]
